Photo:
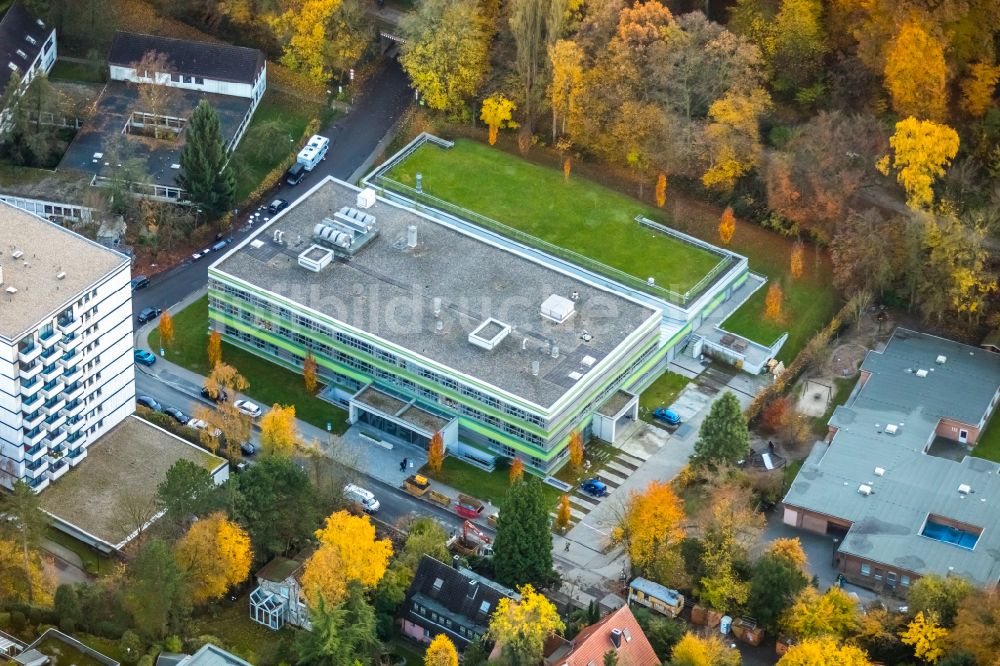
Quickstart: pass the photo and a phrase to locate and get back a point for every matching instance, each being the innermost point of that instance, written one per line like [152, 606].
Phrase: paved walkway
[67, 565]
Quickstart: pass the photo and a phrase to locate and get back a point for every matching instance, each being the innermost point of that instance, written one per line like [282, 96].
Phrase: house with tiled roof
[618, 632]
[451, 600]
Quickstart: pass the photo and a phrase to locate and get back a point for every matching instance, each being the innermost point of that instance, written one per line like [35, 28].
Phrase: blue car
[668, 416]
[144, 357]
[594, 488]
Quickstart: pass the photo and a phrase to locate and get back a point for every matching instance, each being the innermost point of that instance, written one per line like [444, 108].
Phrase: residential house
[618, 632]
[207, 655]
[278, 598]
[451, 600]
[897, 483]
[27, 45]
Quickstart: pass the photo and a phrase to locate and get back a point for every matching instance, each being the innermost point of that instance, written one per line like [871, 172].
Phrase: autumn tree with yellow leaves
[516, 471]
[435, 452]
[978, 88]
[813, 615]
[166, 330]
[348, 552]
[791, 550]
[694, 650]
[824, 652]
[497, 112]
[441, 652]
[732, 137]
[309, 373]
[214, 351]
[564, 514]
[926, 637]
[916, 74]
[566, 62]
[576, 450]
[279, 434]
[215, 554]
[796, 261]
[650, 528]
[773, 301]
[922, 150]
[19, 584]
[321, 37]
[520, 628]
[727, 226]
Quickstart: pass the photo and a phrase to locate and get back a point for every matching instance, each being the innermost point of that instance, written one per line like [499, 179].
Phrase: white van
[314, 152]
[365, 498]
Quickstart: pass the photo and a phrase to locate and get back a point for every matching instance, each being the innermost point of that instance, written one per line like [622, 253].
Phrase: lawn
[231, 624]
[95, 563]
[578, 215]
[483, 485]
[988, 445]
[76, 71]
[269, 383]
[841, 391]
[287, 117]
[661, 393]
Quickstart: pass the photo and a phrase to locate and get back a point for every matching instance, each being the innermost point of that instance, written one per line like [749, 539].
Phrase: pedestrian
[402, 465]
[566, 547]
[770, 447]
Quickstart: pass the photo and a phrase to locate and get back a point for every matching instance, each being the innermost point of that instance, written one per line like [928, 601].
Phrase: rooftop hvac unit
[557, 308]
[940, 360]
[921, 373]
[355, 219]
[366, 198]
[891, 429]
[879, 471]
[964, 489]
[864, 489]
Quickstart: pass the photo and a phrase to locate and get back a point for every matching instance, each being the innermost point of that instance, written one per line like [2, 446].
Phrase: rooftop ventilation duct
[891, 429]
[557, 308]
[315, 258]
[411, 236]
[941, 360]
[366, 198]
[879, 471]
[965, 489]
[489, 334]
[865, 489]
[921, 373]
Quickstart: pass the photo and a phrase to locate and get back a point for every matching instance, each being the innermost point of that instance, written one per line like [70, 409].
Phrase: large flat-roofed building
[66, 369]
[423, 328]
[897, 481]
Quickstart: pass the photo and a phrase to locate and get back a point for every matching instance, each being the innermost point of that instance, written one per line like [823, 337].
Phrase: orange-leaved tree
[567, 168]
[441, 652]
[650, 528]
[978, 87]
[564, 514]
[166, 328]
[727, 226]
[516, 472]
[215, 554]
[214, 349]
[576, 450]
[435, 452]
[916, 73]
[661, 190]
[309, 373]
[797, 260]
[773, 300]
[348, 552]
[279, 434]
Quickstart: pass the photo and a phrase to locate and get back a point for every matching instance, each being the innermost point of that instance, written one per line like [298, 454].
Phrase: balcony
[70, 342]
[74, 392]
[39, 484]
[53, 406]
[75, 456]
[27, 371]
[31, 404]
[29, 354]
[67, 326]
[57, 470]
[72, 375]
[33, 453]
[54, 422]
[74, 408]
[55, 439]
[33, 420]
[28, 389]
[50, 372]
[52, 388]
[48, 340]
[75, 425]
[37, 469]
[69, 359]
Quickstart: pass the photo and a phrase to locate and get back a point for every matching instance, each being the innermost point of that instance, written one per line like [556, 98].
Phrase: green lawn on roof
[578, 215]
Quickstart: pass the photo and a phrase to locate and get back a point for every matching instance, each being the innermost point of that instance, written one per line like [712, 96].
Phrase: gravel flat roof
[47, 250]
[123, 467]
[388, 290]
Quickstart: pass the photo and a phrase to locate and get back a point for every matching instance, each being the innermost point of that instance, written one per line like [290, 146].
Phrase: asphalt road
[352, 137]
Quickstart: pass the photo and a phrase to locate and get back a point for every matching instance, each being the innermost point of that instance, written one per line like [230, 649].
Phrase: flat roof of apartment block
[427, 290]
[44, 266]
[121, 471]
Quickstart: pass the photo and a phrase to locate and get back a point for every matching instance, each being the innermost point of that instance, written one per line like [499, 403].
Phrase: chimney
[616, 637]
[455, 561]
[411, 236]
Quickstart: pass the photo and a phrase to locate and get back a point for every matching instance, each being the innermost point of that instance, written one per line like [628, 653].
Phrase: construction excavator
[471, 541]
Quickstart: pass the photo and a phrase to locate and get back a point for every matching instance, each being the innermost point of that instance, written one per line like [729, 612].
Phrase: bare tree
[153, 73]
[134, 513]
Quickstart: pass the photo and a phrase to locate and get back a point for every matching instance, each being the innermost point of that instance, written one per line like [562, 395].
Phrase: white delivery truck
[314, 152]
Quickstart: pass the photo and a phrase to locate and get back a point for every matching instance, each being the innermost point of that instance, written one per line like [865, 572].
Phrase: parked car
[248, 408]
[221, 395]
[202, 253]
[594, 487]
[148, 314]
[668, 416]
[221, 245]
[177, 415]
[295, 174]
[248, 449]
[147, 402]
[139, 282]
[277, 206]
[144, 357]
[362, 496]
